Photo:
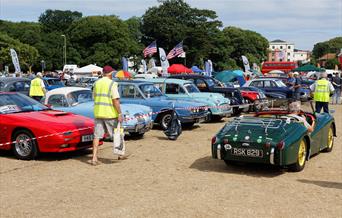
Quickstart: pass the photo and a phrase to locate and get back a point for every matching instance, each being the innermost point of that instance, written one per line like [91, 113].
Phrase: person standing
[107, 110]
[291, 81]
[322, 89]
[37, 87]
[297, 86]
[337, 83]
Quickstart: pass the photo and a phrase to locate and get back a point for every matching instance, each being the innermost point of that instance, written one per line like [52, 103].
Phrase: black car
[209, 84]
[15, 84]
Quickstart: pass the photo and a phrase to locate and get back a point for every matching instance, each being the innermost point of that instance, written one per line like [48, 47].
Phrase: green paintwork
[256, 136]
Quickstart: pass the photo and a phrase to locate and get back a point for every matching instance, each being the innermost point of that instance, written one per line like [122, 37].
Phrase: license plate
[87, 138]
[247, 152]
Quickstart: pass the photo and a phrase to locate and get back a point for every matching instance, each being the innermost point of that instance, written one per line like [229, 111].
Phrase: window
[200, 84]
[172, 88]
[288, 59]
[22, 86]
[58, 101]
[280, 59]
[289, 47]
[257, 84]
[79, 97]
[129, 91]
[1, 85]
[149, 90]
[159, 86]
[267, 84]
[191, 88]
[273, 47]
[281, 47]
[288, 53]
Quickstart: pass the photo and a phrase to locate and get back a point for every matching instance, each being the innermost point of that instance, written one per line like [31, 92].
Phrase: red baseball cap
[107, 69]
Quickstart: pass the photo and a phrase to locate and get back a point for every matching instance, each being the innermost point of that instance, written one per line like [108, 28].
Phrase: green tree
[245, 42]
[25, 32]
[174, 21]
[27, 54]
[102, 40]
[331, 63]
[57, 20]
[331, 46]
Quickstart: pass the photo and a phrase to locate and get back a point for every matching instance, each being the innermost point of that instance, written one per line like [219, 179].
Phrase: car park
[15, 84]
[209, 84]
[137, 118]
[273, 137]
[256, 97]
[218, 105]
[28, 127]
[145, 93]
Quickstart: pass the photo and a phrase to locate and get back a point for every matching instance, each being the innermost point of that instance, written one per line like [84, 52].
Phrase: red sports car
[28, 127]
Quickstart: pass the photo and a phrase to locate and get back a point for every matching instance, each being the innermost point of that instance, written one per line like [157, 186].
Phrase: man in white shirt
[295, 110]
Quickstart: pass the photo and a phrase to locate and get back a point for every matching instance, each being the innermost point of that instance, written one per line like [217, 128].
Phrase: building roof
[278, 40]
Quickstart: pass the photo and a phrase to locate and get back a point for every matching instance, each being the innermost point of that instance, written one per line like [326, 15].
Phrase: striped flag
[176, 51]
[151, 49]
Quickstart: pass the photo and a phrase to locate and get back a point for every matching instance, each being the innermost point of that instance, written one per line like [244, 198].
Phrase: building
[302, 56]
[280, 50]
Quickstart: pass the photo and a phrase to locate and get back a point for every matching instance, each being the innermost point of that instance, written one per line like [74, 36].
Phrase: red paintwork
[285, 66]
[42, 123]
[250, 95]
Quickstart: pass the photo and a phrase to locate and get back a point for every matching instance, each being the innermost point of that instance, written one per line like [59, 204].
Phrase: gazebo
[178, 69]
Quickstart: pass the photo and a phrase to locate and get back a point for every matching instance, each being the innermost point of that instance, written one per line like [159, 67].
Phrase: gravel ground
[165, 178]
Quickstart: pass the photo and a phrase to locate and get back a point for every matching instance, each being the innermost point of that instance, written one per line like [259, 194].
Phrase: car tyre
[330, 144]
[165, 119]
[25, 146]
[301, 157]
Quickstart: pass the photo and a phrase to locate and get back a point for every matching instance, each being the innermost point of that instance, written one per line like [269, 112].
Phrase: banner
[164, 62]
[124, 64]
[245, 63]
[206, 68]
[15, 60]
[210, 68]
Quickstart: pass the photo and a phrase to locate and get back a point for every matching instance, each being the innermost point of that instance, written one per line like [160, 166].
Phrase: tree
[27, 54]
[245, 42]
[331, 63]
[174, 21]
[331, 46]
[57, 20]
[102, 40]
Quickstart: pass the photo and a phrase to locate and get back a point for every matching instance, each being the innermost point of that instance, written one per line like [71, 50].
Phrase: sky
[302, 22]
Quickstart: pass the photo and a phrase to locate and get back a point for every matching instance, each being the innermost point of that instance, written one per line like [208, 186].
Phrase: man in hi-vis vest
[37, 87]
[107, 111]
[322, 90]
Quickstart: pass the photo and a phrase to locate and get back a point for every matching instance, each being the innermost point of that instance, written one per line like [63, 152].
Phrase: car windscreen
[55, 82]
[79, 97]
[279, 83]
[191, 88]
[149, 90]
[16, 103]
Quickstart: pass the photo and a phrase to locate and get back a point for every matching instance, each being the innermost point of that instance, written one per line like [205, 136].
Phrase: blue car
[270, 86]
[52, 83]
[77, 100]
[145, 93]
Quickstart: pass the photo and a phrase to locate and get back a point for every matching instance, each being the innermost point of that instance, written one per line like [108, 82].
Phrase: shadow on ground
[207, 164]
[324, 184]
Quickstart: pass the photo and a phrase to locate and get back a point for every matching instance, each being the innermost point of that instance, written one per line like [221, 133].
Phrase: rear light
[281, 145]
[225, 141]
[268, 144]
[213, 140]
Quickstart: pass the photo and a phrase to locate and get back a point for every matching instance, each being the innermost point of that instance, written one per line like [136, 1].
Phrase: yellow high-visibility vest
[35, 88]
[103, 104]
[322, 91]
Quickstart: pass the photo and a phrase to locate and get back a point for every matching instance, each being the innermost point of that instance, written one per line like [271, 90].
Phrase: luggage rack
[266, 123]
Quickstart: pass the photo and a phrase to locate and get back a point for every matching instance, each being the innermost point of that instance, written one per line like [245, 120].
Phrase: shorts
[103, 126]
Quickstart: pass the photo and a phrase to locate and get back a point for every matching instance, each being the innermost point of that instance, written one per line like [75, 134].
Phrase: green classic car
[218, 105]
[273, 137]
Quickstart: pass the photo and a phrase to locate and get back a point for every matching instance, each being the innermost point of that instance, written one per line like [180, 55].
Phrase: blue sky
[303, 22]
